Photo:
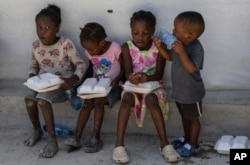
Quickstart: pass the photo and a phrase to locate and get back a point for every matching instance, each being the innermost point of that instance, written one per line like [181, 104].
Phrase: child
[142, 63]
[105, 62]
[50, 54]
[188, 89]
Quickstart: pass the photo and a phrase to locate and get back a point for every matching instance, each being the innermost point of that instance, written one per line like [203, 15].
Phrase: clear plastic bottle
[61, 131]
[166, 37]
[75, 101]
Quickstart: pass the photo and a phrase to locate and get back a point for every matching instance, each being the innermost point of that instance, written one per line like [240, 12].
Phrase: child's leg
[194, 132]
[186, 126]
[190, 117]
[83, 118]
[31, 106]
[95, 144]
[156, 113]
[127, 103]
[75, 143]
[99, 104]
[51, 148]
[167, 150]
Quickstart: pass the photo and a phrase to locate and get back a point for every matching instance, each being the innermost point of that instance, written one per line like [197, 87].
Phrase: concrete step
[224, 112]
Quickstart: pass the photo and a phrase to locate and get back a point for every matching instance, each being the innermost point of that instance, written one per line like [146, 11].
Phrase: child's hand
[132, 78]
[136, 78]
[66, 84]
[114, 84]
[141, 77]
[157, 42]
[178, 47]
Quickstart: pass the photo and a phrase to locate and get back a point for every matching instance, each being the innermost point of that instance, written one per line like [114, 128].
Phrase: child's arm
[89, 72]
[69, 82]
[120, 77]
[162, 49]
[127, 61]
[187, 63]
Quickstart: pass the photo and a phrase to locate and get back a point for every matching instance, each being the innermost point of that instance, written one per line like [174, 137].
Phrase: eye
[135, 33]
[47, 27]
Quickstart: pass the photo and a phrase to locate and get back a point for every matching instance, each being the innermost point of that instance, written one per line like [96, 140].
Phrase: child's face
[181, 32]
[46, 30]
[142, 34]
[93, 48]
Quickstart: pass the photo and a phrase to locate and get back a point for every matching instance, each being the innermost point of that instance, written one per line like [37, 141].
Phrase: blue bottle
[75, 101]
[166, 37]
[61, 131]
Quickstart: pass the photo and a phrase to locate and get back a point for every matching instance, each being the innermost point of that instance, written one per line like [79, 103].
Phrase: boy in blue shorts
[187, 57]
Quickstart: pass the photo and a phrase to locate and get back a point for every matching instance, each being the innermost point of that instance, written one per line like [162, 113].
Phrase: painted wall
[227, 51]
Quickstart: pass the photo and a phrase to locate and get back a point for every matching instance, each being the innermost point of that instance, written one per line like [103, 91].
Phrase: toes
[34, 138]
[49, 150]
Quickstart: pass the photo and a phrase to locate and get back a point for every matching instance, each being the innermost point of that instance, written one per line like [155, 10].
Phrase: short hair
[142, 15]
[193, 21]
[51, 11]
[92, 31]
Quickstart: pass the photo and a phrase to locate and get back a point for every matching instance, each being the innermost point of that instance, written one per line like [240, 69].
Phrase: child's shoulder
[115, 44]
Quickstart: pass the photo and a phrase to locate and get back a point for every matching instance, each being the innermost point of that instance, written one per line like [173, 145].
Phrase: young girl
[105, 61]
[50, 54]
[143, 63]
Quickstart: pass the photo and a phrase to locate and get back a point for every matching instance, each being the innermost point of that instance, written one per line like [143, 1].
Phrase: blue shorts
[55, 96]
[114, 96]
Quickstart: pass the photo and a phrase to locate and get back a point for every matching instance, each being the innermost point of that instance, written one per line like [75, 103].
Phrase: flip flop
[72, 144]
[93, 145]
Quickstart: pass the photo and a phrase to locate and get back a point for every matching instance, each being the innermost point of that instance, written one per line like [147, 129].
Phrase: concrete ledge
[224, 112]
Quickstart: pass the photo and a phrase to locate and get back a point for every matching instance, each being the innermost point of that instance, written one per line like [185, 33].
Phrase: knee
[99, 103]
[88, 104]
[151, 99]
[127, 100]
[42, 102]
[30, 103]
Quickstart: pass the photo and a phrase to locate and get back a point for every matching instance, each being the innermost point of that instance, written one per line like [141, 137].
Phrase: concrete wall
[225, 38]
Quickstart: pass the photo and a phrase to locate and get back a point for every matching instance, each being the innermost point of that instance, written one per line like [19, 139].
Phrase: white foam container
[227, 142]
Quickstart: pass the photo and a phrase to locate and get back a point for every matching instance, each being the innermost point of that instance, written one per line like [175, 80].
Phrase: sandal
[120, 155]
[188, 150]
[179, 142]
[169, 153]
[73, 144]
[93, 145]
[49, 150]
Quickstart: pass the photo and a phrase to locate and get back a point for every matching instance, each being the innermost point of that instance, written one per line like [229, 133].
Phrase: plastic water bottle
[61, 131]
[166, 37]
[75, 101]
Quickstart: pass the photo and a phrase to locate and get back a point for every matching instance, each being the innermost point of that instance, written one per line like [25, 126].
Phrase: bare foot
[34, 138]
[49, 150]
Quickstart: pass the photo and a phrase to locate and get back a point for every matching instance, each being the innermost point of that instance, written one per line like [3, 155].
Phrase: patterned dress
[145, 61]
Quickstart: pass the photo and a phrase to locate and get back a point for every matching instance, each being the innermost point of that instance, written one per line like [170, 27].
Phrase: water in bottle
[75, 101]
[61, 131]
[166, 37]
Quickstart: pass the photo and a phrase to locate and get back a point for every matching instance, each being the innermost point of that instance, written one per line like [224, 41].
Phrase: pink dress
[145, 61]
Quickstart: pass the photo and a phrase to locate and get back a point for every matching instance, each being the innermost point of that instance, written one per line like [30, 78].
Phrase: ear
[190, 36]
[57, 29]
[102, 42]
